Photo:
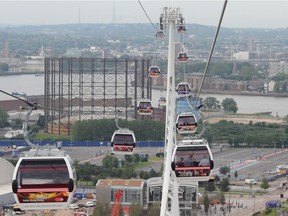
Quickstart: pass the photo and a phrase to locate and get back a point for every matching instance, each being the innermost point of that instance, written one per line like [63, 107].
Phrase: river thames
[34, 85]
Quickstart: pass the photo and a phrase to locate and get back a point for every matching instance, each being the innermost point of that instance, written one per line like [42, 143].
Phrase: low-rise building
[132, 191]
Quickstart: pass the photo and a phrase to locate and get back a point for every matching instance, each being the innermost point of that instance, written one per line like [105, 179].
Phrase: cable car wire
[147, 15]
[212, 49]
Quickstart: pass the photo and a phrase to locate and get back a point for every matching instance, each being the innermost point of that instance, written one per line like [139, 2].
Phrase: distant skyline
[238, 14]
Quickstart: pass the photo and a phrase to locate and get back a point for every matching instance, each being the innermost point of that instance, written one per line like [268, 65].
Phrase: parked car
[17, 210]
[81, 205]
[215, 202]
[250, 181]
[73, 206]
[90, 204]
[271, 172]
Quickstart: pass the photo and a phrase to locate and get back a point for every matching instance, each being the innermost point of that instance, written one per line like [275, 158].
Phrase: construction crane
[116, 207]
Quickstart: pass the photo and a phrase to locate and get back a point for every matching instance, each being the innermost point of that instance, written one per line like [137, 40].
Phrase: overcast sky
[238, 14]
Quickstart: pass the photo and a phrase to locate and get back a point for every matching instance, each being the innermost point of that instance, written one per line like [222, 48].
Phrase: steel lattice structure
[90, 88]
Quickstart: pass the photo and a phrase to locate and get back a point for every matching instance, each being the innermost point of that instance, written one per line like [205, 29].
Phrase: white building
[33, 118]
[6, 195]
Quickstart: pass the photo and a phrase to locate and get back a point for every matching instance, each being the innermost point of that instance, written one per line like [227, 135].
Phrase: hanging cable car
[183, 88]
[154, 71]
[181, 29]
[159, 34]
[186, 123]
[144, 107]
[44, 179]
[162, 102]
[192, 161]
[182, 57]
[123, 141]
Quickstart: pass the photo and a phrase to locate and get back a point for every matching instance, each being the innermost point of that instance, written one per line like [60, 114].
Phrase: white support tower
[170, 202]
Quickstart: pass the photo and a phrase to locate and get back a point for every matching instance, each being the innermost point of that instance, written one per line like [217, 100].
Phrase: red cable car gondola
[182, 57]
[154, 71]
[123, 141]
[162, 102]
[42, 181]
[192, 161]
[186, 123]
[183, 88]
[159, 34]
[181, 29]
[144, 107]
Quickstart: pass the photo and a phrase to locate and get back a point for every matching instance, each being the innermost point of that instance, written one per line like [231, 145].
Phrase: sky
[238, 13]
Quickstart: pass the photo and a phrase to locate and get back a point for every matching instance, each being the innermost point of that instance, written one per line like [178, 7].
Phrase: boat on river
[18, 93]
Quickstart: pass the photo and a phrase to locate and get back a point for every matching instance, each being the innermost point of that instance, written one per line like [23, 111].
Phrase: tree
[236, 174]
[212, 103]
[102, 209]
[206, 203]
[17, 124]
[210, 186]
[4, 67]
[110, 162]
[3, 118]
[154, 210]
[222, 198]
[224, 185]
[264, 183]
[224, 170]
[135, 210]
[229, 105]
[216, 179]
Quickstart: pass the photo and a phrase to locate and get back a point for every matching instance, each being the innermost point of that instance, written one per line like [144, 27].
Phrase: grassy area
[143, 164]
[44, 136]
[79, 182]
[155, 159]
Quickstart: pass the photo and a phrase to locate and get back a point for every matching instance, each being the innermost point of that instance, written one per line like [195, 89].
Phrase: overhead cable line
[212, 49]
[147, 15]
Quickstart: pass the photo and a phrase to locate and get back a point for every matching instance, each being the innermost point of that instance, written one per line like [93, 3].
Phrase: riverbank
[245, 119]
[163, 88]
[21, 73]
[244, 93]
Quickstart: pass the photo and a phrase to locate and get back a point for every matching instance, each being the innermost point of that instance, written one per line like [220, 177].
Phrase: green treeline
[112, 167]
[257, 134]
[102, 129]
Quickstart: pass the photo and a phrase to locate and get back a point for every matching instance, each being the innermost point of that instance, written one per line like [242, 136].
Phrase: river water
[34, 85]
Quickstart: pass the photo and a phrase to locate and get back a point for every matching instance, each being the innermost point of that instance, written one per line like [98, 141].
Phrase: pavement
[63, 212]
[246, 205]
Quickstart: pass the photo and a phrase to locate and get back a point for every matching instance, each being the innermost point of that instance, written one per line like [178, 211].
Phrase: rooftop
[121, 182]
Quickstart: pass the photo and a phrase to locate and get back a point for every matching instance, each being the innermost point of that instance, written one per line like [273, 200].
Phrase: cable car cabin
[154, 71]
[162, 102]
[192, 162]
[145, 107]
[182, 57]
[123, 141]
[186, 123]
[181, 29]
[183, 88]
[159, 34]
[44, 182]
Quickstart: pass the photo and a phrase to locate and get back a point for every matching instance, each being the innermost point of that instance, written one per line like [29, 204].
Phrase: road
[241, 159]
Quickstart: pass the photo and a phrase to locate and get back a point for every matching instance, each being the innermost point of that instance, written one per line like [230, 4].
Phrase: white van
[250, 181]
